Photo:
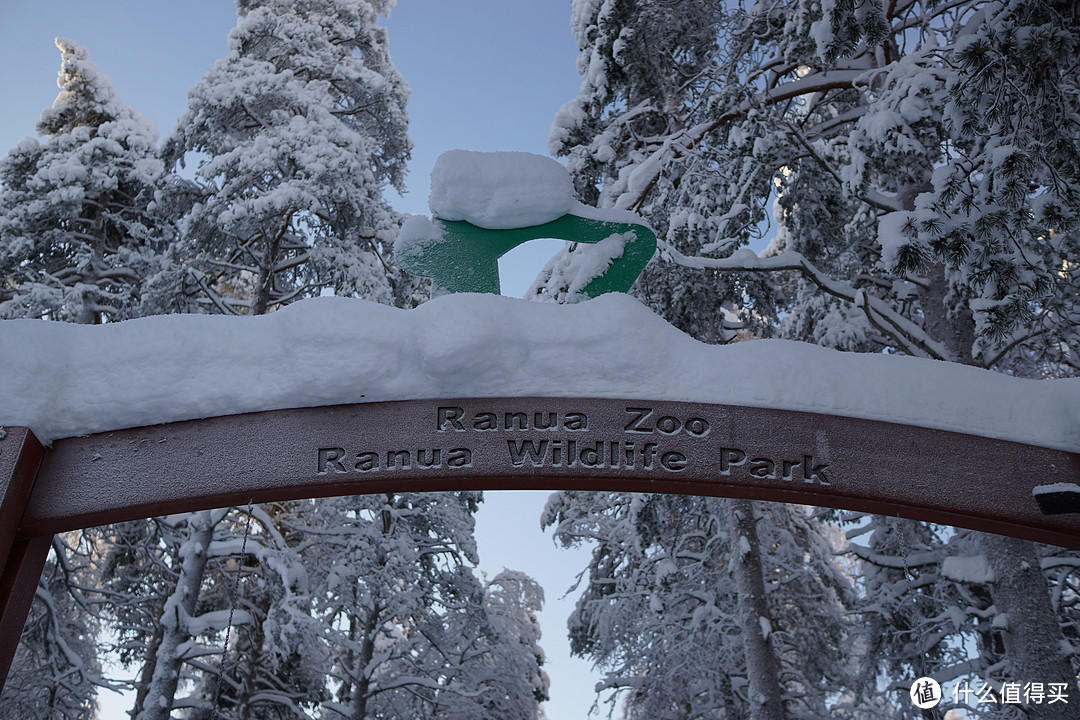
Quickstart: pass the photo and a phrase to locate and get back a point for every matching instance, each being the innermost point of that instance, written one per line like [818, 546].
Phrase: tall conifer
[295, 135]
[77, 236]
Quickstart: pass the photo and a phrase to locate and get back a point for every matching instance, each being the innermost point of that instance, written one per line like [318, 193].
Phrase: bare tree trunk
[957, 333]
[264, 288]
[761, 667]
[249, 683]
[732, 704]
[362, 672]
[147, 673]
[372, 622]
[1032, 635]
[261, 300]
[178, 607]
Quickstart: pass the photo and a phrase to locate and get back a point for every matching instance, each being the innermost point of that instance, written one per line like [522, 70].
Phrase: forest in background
[922, 161]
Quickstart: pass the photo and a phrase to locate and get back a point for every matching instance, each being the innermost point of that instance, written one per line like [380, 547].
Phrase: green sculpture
[486, 204]
[462, 258]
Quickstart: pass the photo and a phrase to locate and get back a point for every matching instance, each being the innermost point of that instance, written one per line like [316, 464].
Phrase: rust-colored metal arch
[520, 443]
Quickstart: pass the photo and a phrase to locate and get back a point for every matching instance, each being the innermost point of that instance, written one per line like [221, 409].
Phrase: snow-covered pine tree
[133, 573]
[930, 609]
[275, 665]
[923, 160]
[79, 239]
[77, 235]
[295, 135]
[178, 610]
[485, 649]
[648, 73]
[845, 116]
[649, 612]
[409, 629]
[168, 593]
[666, 607]
[512, 662]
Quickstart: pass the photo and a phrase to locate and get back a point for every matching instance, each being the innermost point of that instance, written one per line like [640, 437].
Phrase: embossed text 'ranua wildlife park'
[557, 439]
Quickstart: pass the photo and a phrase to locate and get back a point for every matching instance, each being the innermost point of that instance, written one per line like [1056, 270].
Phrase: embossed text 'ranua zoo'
[565, 439]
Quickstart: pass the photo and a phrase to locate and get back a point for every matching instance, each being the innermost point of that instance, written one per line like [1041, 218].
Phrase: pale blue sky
[485, 75]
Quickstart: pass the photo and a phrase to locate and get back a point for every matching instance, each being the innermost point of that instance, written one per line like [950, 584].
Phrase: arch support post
[18, 584]
[21, 559]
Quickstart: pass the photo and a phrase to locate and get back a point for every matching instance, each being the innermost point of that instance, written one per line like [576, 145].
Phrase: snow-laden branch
[211, 295]
[76, 589]
[292, 262]
[869, 196]
[907, 334]
[918, 559]
[43, 595]
[414, 681]
[649, 170]
[1059, 561]
[232, 266]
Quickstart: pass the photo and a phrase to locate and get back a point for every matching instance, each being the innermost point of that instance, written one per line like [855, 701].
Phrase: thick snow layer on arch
[63, 380]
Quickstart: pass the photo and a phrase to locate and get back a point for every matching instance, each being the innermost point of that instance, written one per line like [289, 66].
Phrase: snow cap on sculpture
[499, 190]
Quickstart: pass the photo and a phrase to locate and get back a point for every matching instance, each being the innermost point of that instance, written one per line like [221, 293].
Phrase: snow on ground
[63, 380]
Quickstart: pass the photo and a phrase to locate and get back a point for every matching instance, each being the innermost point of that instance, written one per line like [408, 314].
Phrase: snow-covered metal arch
[966, 480]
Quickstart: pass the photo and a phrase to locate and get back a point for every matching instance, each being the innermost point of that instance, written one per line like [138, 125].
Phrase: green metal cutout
[465, 259]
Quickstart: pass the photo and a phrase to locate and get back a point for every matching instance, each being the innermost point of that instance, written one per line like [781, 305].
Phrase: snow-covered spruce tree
[77, 236]
[511, 672]
[664, 612]
[296, 133]
[923, 157]
[488, 652]
[410, 630]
